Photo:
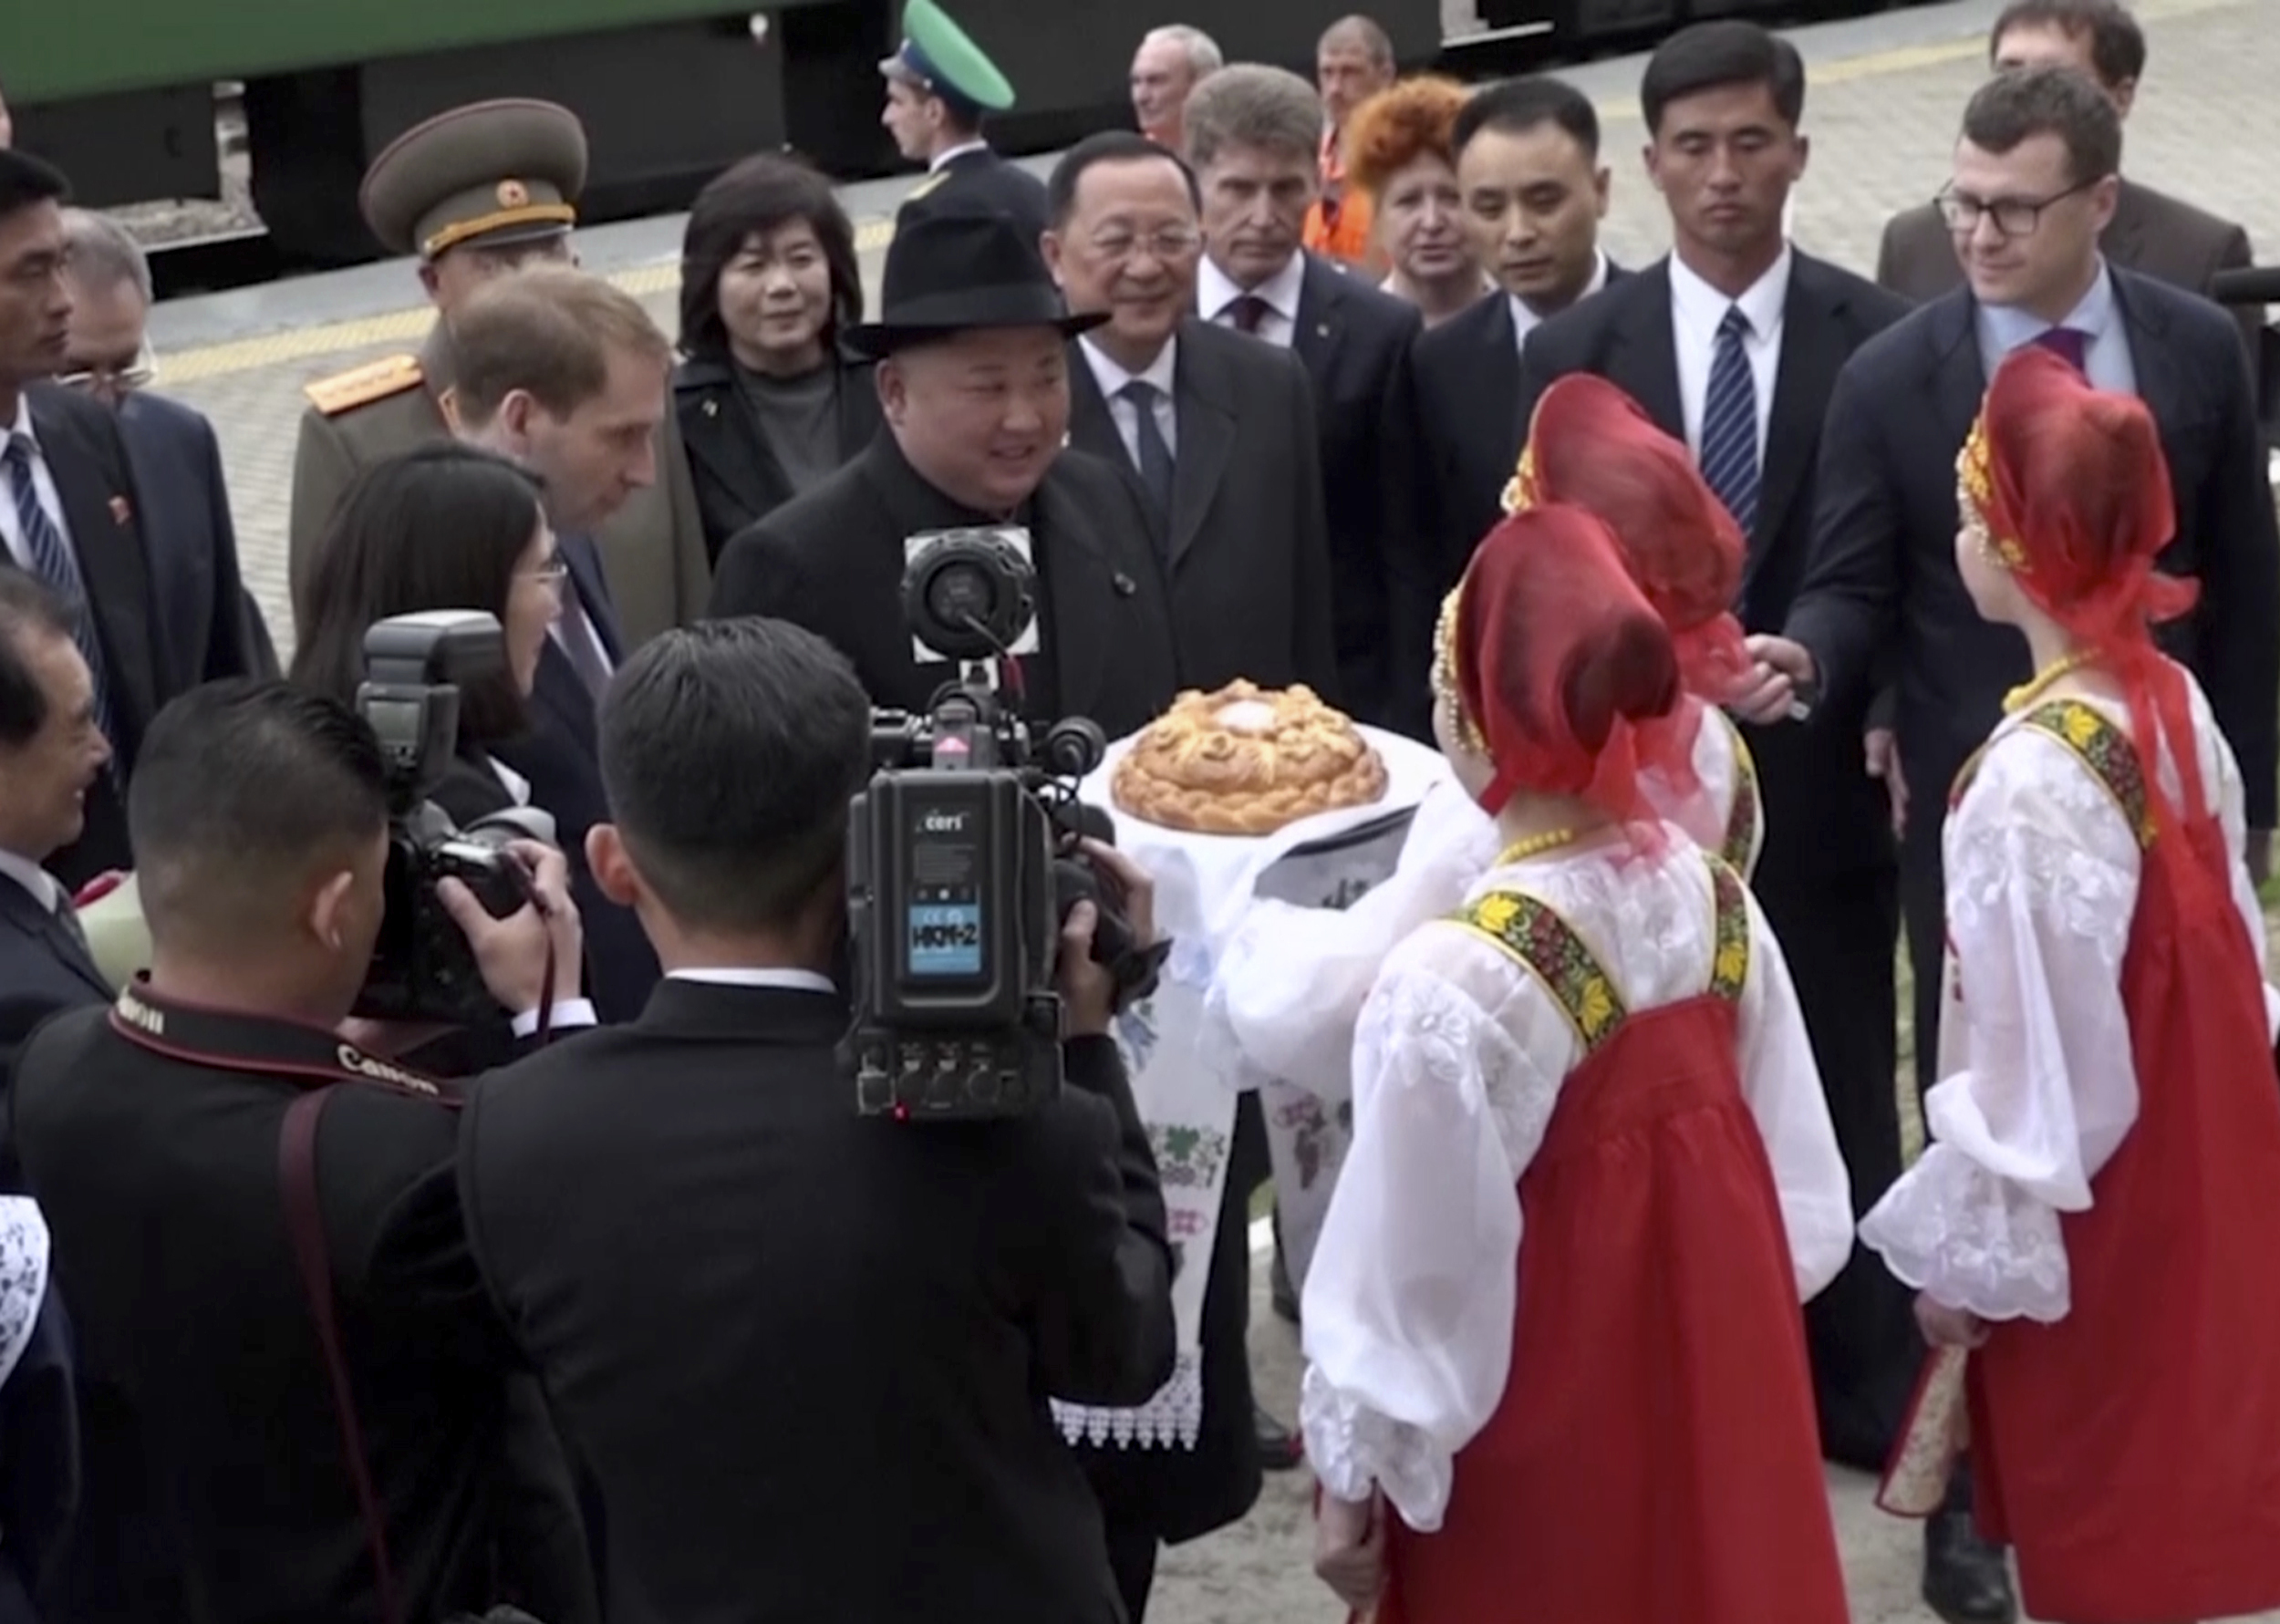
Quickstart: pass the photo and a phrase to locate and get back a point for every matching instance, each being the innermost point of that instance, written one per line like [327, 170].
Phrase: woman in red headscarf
[2099, 1213]
[1556, 1367]
[1292, 979]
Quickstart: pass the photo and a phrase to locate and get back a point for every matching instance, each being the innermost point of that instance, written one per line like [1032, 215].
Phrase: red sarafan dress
[1611, 1420]
[2105, 1182]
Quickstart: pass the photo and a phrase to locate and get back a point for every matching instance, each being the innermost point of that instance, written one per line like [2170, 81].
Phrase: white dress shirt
[745, 976]
[1696, 311]
[43, 487]
[45, 888]
[1112, 377]
[1526, 321]
[1216, 294]
[2106, 358]
[939, 159]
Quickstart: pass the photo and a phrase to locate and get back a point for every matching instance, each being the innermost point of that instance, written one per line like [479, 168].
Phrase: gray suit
[2151, 232]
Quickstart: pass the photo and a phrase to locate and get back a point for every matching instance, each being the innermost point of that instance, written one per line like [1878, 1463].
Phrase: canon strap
[317, 1059]
[234, 1042]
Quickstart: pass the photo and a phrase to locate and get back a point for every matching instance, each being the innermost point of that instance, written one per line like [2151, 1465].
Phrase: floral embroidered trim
[1547, 946]
[1974, 490]
[1522, 491]
[1741, 819]
[1445, 673]
[1729, 958]
[2107, 751]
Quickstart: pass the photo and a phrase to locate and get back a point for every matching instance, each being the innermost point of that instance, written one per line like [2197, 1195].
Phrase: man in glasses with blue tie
[68, 506]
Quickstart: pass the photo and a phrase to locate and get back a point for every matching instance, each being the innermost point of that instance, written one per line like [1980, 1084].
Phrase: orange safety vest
[1342, 229]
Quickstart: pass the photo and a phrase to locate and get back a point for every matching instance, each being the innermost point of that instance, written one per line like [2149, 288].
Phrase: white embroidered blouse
[2037, 1088]
[1457, 1063]
[1291, 981]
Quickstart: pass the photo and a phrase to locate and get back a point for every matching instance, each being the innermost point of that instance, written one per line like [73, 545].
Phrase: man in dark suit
[51, 752]
[2150, 233]
[1534, 191]
[843, 1414]
[1226, 454]
[214, 627]
[555, 374]
[1733, 344]
[2035, 185]
[152, 1134]
[69, 507]
[973, 373]
[940, 88]
[1254, 138]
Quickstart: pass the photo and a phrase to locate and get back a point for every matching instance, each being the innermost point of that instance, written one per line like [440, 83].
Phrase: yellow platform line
[875, 232]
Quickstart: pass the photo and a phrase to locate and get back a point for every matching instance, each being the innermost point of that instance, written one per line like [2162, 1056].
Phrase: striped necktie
[1729, 424]
[52, 560]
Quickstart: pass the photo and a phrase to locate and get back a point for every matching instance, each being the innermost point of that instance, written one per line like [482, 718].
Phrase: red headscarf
[2073, 488]
[1554, 659]
[1590, 444]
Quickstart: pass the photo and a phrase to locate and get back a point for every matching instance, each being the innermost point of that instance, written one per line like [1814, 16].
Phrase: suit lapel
[1645, 364]
[2123, 241]
[1202, 413]
[1315, 333]
[585, 563]
[722, 434]
[557, 691]
[1812, 353]
[1092, 427]
[108, 543]
[20, 910]
[1078, 579]
[2153, 360]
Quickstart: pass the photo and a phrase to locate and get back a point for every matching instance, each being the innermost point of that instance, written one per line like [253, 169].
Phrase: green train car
[121, 92]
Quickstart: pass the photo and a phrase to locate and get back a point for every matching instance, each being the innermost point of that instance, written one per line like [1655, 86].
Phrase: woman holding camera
[444, 527]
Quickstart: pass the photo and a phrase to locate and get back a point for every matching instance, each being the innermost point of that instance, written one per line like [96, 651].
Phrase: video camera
[423, 969]
[963, 861]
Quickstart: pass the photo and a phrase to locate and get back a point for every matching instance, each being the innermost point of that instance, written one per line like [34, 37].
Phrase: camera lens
[959, 592]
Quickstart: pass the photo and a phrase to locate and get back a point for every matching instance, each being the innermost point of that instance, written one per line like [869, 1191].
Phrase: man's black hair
[26, 180]
[729, 751]
[1719, 56]
[1110, 146]
[2117, 48]
[239, 787]
[1518, 106]
[27, 605]
[2011, 107]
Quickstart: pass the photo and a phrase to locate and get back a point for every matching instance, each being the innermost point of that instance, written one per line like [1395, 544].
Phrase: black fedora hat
[956, 270]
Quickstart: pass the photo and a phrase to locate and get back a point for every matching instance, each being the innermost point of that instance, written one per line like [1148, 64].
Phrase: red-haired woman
[2097, 1215]
[1556, 1366]
[1401, 154]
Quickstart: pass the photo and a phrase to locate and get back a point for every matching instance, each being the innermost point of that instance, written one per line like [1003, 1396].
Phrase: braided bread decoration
[1246, 761]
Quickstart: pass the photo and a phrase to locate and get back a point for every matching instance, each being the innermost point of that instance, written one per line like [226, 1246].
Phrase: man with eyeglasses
[2035, 184]
[2150, 233]
[212, 625]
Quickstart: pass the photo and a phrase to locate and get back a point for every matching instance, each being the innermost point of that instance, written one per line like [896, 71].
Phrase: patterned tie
[1729, 424]
[1248, 311]
[53, 563]
[2070, 344]
[1155, 456]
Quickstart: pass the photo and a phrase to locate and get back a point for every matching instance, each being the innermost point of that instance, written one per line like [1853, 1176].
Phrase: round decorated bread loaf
[1246, 761]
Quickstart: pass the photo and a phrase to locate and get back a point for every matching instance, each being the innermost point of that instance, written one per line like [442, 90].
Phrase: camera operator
[217, 1486]
[973, 378]
[801, 1354]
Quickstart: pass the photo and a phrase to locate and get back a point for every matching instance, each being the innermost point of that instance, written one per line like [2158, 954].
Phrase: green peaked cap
[937, 53]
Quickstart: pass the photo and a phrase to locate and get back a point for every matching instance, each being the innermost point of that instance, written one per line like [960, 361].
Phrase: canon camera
[414, 667]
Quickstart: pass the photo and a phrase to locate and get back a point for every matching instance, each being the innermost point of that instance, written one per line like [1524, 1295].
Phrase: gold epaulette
[361, 385]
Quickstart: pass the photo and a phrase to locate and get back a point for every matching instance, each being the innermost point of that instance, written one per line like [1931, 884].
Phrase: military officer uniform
[937, 59]
[493, 175]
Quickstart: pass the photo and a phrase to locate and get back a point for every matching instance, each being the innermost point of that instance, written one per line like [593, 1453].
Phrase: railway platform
[1884, 95]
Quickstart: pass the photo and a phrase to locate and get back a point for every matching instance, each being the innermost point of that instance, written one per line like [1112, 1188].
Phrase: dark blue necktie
[53, 563]
[1154, 454]
[2070, 344]
[1729, 424]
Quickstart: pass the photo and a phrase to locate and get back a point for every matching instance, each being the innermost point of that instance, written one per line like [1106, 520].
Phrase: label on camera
[945, 938]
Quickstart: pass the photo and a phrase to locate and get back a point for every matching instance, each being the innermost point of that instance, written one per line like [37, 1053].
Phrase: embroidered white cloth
[1458, 1061]
[23, 1277]
[1184, 1077]
[2037, 1088]
[1292, 978]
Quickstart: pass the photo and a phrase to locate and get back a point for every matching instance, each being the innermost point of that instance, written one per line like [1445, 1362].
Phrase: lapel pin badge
[121, 510]
[712, 409]
[1321, 329]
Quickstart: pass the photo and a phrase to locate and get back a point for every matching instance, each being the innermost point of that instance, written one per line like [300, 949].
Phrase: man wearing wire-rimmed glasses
[212, 625]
